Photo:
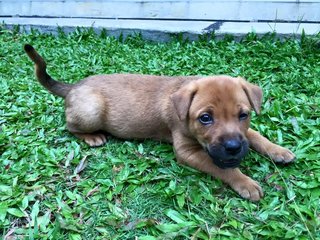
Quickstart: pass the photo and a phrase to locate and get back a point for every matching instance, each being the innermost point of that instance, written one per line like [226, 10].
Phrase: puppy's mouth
[224, 164]
[224, 158]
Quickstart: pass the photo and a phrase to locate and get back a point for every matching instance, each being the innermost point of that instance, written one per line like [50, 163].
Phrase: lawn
[53, 186]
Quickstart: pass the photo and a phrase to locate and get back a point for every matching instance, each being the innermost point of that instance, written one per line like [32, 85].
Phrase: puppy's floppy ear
[182, 99]
[254, 94]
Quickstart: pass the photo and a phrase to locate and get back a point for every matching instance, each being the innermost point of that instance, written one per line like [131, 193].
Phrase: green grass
[130, 189]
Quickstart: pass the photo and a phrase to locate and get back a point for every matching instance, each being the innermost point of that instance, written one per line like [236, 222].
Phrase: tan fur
[168, 108]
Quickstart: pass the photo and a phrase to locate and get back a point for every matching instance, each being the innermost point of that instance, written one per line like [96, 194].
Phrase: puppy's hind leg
[85, 118]
[92, 139]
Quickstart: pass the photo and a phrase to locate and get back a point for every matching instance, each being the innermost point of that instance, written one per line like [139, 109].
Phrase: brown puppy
[206, 118]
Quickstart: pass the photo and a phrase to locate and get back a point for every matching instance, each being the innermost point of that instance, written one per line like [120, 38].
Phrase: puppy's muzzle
[229, 153]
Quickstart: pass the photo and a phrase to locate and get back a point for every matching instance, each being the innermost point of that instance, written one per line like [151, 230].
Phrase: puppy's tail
[57, 88]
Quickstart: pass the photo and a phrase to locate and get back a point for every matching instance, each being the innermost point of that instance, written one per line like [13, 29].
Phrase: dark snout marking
[233, 146]
[229, 153]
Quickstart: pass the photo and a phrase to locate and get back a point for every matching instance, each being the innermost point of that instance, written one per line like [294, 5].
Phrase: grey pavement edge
[160, 30]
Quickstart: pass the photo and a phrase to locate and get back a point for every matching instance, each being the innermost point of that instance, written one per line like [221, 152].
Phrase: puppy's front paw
[281, 155]
[248, 188]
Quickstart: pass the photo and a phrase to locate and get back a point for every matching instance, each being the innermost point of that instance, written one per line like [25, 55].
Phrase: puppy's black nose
[232, 146]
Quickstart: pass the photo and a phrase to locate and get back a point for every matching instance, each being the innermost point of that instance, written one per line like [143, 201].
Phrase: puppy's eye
[205, 119]
[243, 116]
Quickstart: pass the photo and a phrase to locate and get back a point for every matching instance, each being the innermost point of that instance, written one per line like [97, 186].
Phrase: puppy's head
[217, 112]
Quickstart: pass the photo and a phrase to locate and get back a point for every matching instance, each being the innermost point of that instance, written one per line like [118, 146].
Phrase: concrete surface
[159, 30]
[231, 10]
